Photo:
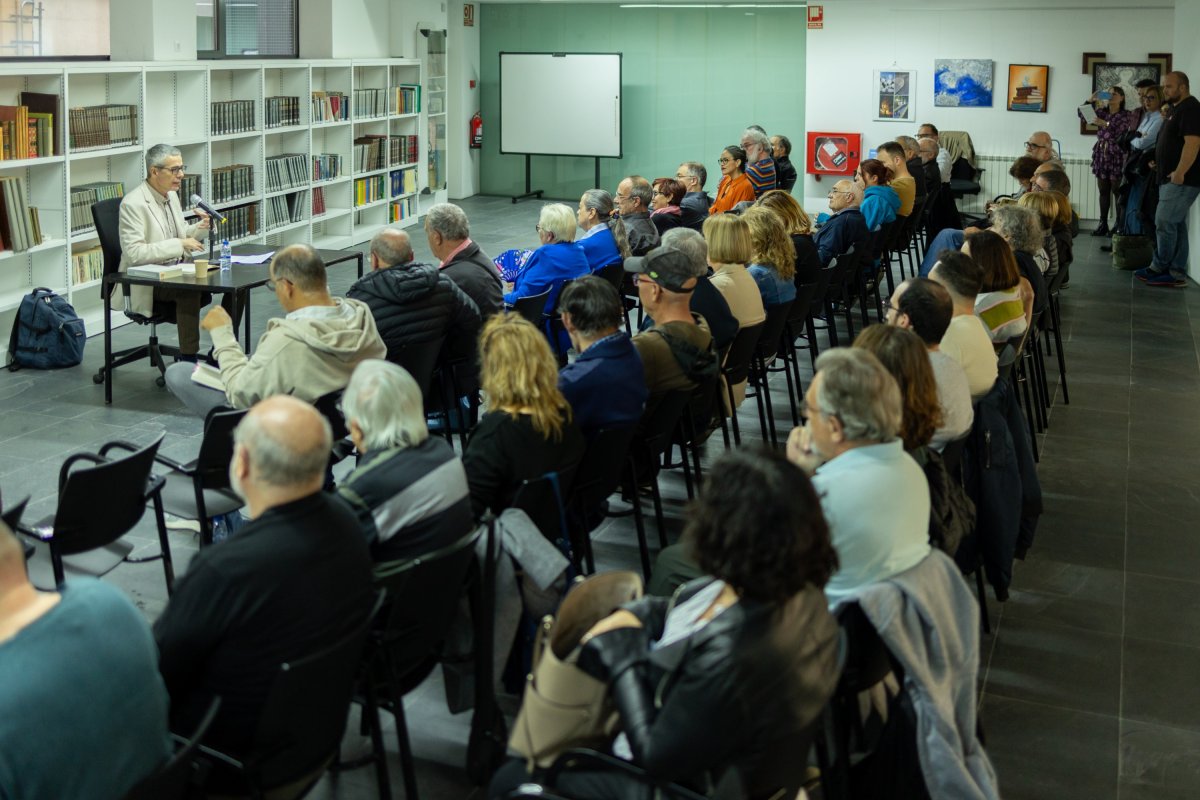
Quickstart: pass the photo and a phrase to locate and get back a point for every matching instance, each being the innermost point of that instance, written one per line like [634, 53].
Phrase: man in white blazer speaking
[153, 231]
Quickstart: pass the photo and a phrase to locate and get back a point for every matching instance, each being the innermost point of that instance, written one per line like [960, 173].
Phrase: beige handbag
[563, 706]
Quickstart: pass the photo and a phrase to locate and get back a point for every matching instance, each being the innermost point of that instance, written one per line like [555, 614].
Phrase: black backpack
[46, 334]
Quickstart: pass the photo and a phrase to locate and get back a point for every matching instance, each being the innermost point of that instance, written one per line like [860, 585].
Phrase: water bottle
[226, 255]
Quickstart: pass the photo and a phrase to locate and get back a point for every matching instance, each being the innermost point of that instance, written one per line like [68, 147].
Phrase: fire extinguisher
[476, 135]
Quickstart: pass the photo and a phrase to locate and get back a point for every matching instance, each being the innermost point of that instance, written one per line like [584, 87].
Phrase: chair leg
[371, 712]
[1062, 362]
[164, 543]
[639, 521]
[406, 756]
[982, 593]
[686, 464]
[57, 562]
[813, 350]
[733, 419]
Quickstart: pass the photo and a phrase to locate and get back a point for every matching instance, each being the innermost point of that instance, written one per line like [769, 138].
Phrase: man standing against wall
[1179, 183]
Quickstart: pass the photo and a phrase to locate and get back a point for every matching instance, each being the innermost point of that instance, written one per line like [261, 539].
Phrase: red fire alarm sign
[816, 17]
[469, 15]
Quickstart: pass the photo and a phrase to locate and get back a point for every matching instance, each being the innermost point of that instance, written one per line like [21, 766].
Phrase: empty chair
[736, 370]
[199, 489]
[598, 475]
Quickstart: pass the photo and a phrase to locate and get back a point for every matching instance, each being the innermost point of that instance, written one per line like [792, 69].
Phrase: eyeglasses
[724, 160]
[273, 282]
[1035, 146]
[538, 227]
[621, 197]
[182, 168]
[657, 193]
[832, 192]
[679, 177]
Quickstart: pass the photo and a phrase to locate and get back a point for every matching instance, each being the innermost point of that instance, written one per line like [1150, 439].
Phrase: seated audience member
[528, 429]
[79, 666]
[879, 200]
[785, 171]
[1061, 231]
[729, 251]
[1045, 206]
[891, 155]
[928, 151]
[758, 538]
[696, 202]
[966, 339]
[677, 351]
[634, 196]
[1005, 299]
[308, 353]
[290, 583]
[925, 308]
[772, 258]
[414, 304]
[929, 131]
[1051, 178]
[799, 229]
[846, 228]
[153, 231]
[1022, 170]
[604, 241]
[903, 354]
[409, 489]
[734, 187]
[707, 300]
[558, 258]
[449, 235]
[760, 166]
[666, 196]
[912, 160]
[605, 384]
[1019, 227]
[1041, 147]
[874, 495]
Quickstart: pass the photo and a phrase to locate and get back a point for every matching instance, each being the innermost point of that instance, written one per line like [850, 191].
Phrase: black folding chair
[736, 369]
[766, 350]
[177, 779]
[532, 307]
[200, 488]
[599, 474]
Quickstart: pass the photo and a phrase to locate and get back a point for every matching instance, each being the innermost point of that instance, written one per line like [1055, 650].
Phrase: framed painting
[963, 82]
[1028, 87]
[1106, 75]
[893, 95]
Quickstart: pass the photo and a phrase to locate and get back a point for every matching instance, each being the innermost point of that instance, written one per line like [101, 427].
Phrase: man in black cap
[677, 352]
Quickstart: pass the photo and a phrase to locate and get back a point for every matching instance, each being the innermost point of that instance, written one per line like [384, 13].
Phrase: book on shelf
[369, 190]
[370, 103]
[281, 111]
[188, 186]
[370, 152]
[402, 209]
[286, 171]
[318, 203]
[97, 127]
[43, 108]
[18, 231]
[402, 150]
[404, 181]
[232, 182]
[14, 122]
[84, 196]
[87, 265]
[240, 221]
[406, 99]
[159, 272]
[326, 166]
[35, 225]
[330, 106]
[284, 209]
[232, 116]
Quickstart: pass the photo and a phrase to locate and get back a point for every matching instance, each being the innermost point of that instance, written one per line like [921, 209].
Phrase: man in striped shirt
[760, 166]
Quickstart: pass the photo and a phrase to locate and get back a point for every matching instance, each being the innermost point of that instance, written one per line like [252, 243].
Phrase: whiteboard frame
[500, 103]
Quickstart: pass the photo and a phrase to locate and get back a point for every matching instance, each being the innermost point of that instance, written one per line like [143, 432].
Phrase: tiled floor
[1089, 677]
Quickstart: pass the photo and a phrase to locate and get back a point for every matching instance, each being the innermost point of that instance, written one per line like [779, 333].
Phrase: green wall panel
[693, 79]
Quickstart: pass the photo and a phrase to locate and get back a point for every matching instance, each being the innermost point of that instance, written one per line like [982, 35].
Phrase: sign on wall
[469, 15]
[816, 17]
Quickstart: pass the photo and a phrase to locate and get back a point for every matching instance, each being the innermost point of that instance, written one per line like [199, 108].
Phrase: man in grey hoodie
[306, 354]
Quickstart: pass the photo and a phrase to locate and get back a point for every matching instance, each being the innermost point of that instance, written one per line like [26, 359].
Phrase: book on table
[157, 271]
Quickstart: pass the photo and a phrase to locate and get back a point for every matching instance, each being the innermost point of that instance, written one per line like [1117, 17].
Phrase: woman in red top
[734, 186]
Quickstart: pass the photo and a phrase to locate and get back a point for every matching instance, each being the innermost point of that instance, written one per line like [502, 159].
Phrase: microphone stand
[212, 238]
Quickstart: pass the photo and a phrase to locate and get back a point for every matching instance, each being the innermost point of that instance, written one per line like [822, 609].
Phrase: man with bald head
[1041, 146]
[79, 666]
[308, 353]
[291, 582]
[846, 227]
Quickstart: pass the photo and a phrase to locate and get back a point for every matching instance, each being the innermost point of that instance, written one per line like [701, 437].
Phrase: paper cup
[201, 267]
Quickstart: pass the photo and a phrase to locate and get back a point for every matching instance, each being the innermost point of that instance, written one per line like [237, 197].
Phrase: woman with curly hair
[528, 430]
[799, 227]
[904, 355]
[773, 263]
[737, 662]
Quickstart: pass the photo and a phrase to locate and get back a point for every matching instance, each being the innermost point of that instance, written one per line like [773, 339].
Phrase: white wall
[463, 67]
[861, 37]
[165, 30]
[404, 18]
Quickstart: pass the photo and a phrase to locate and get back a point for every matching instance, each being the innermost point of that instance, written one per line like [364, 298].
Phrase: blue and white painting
[963, 82]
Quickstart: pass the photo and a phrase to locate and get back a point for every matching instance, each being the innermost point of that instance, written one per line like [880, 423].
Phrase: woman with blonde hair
[527, 430]
[905, 356]
[1046, 208]
[799, 227]
[773, 260]
[730, 248]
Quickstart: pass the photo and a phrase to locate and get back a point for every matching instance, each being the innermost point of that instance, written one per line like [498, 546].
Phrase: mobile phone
[1104, 95]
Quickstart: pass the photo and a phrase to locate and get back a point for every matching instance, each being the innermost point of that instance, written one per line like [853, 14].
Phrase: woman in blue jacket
[604, 241]
[558, 259]
[880, 201]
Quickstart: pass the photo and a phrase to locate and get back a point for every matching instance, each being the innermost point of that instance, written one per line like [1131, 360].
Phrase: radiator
[995, 180]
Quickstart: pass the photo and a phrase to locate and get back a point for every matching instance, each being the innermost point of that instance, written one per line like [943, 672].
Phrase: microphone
[198, 202]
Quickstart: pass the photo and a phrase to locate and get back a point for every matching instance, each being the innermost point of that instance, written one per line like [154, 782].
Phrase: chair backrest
[819, 296]
[802, 304]
[101, 502]
[306, 709]
[216, 448]
[952, 455]
[600, 470]
[328, 404]
[532, 307]
[741, 351]
[772, 329]
[889, 233]
[544, 499]
[614, 273]
[174, 779]
[420, 361]
[867, 660]
[657, 426]
[106, 214]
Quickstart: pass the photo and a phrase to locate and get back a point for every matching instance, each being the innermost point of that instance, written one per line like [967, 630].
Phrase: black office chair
[106, 214]
[177, 779]
[199, 489]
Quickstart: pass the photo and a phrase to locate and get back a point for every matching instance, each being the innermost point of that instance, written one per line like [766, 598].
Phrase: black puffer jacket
[414, 304]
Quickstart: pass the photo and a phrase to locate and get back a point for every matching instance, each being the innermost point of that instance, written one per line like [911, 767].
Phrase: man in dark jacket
[785, 171]
[846, 228]
[693, 208]
[414, 304]
[633, 204]
[462, 261]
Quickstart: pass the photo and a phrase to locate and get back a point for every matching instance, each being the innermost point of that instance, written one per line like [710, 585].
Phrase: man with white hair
[874, 495]
[461, 259]
[409, 488]
[760, 166]
[290, 583]
[846, 227]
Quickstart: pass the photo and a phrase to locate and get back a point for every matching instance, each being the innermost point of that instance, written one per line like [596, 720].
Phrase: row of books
[368, 190]
[94, 127]
[232, 182]
[406, 99]
[318, 203]
[326, 166]
[232, 116]
[279, 111]
[188, 186]
[402, 209]
[83, 197]
[20, 228]
[240, 221]
[403, 150]
[404, 181]
[286, 171]
[284, 209]
[87, 265]
[27, 129]
[370, 103]
[376, 151]
[330, 106]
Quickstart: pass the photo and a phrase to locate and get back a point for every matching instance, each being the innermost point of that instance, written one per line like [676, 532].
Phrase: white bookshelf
[173, 102]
